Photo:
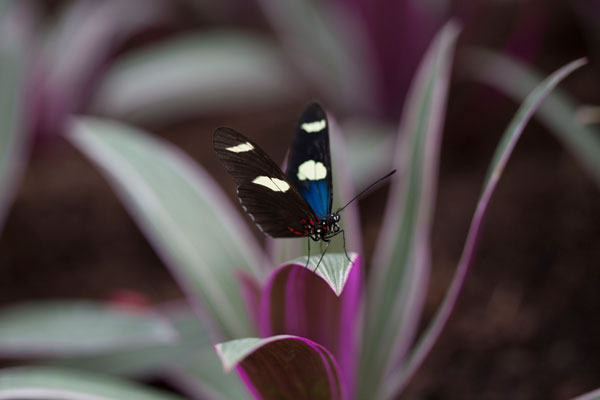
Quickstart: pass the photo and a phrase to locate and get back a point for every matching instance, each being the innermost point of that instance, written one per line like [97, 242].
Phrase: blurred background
[526, 325]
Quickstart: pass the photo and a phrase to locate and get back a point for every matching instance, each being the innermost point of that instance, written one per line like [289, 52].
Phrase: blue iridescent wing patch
[309, 165]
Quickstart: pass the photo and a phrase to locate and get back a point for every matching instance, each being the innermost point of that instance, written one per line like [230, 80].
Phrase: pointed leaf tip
[334, 269]
[233, 352]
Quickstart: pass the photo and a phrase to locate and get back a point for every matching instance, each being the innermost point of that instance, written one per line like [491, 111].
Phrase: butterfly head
[327, 227]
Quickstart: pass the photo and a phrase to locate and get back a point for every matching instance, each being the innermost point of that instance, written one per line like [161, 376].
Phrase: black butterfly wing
[264, 191]
[309, 166]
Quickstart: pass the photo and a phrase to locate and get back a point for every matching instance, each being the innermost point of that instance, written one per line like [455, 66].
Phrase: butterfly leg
[322, 254]
[345, 252]
[308, 257]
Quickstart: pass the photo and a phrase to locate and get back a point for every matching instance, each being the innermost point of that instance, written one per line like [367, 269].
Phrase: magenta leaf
[283, 367]
[296, 301]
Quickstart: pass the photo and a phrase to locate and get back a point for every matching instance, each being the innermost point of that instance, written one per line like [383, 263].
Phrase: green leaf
[85, 33]
[401, 265]
[344, 192]
[5, 7]
[233, 352]
[328, 44]
[145, 359]
[200, 73]
[43, 383]
[334, 268]
[189, 363]
[66, 328]
[182, 211]
[399, 378]
[557, 113]
[202, 376]
[370, 150]
[14, 22]
[593, 395]
[284, 367]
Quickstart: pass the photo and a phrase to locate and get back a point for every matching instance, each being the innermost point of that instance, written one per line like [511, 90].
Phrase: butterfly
[296, 203]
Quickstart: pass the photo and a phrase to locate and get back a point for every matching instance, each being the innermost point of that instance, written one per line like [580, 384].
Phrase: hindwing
[264, 191]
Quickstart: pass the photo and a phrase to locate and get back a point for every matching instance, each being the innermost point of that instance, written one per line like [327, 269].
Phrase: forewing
[309, 166]
[264, 190]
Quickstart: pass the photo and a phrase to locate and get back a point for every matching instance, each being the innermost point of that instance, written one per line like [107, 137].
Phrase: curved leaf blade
[14, 141]
[398, 379]
[401, 265]
[298, 302]
[593, 395]
[330, 50]
[77, 328]
[147, 359]
[85, 34]
[345, 192]
[251, 291]
[370, 150]
[557, 113]
[200, 375]
[189, 363]
[283, 367]
[207, 72]
[182, 212]
[42, 383]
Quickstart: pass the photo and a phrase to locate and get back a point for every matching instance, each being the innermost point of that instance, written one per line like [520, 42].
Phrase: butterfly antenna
[367, 189]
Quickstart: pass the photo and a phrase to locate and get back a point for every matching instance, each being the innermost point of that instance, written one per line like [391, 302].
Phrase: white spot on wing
[249, 214]
[314, 127]
[311, 170]
[240, 148]
[276, 185]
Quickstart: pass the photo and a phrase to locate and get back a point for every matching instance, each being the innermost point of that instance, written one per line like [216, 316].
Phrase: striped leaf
[42, 383]
[400, 269]
[399, 378]
[182, 212]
